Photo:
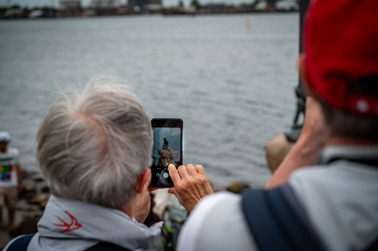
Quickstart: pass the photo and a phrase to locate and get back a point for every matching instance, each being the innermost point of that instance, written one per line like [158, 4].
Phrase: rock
[39, 199]
[237, 187]
[29, 174]
[28, 208]
[29, 187]
[27, 195]
[45, 189]
[27, 226]
[29, 190]
[43, 204]
[38, 177]
[276, 150]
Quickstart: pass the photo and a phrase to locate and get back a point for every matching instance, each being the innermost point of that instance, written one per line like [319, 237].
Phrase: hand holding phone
[167, 149]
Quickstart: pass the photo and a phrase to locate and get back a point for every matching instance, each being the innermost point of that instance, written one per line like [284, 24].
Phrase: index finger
[175, 176]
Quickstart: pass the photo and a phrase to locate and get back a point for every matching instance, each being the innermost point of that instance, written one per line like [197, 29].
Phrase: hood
[70, 223]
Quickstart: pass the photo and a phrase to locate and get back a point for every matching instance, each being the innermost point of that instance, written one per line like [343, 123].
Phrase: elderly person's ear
[143, 203]
[144, 181]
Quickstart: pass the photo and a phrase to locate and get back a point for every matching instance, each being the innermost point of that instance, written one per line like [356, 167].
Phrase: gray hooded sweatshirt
[75, 225]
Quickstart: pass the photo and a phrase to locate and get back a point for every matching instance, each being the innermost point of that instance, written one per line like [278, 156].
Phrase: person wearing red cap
[331, 173]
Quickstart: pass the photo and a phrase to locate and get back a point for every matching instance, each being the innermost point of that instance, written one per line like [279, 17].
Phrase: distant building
[106, 8]
[144, 5]
[70, 8]
[97, 4]
[287, 5]
[137, 3]
[261, 5]
[15, 13]
[69, 5]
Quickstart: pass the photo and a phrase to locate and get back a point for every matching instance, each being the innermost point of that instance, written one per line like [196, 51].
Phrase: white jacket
[340, 198]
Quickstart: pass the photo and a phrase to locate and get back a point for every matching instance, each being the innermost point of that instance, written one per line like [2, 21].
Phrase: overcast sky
[40, 3]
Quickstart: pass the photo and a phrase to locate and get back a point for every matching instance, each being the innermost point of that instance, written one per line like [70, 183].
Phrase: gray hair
[93, 146]
[344, 124]
[350, 125]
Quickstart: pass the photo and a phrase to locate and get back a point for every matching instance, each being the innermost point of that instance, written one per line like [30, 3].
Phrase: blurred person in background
[10, 177]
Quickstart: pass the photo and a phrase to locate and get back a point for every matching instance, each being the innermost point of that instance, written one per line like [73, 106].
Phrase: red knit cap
[341, 44]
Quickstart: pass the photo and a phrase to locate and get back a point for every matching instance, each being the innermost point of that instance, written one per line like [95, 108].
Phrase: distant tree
[195, 4]
[15, 6]
[181, 4]
[3, 10]
[271, 4]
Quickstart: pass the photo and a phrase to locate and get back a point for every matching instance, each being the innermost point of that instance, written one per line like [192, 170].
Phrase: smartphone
[167, 149]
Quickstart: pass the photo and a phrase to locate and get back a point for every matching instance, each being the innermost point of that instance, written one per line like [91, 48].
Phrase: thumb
[171, 190]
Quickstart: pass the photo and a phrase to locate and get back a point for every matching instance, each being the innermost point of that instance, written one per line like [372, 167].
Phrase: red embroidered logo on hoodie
[73, 225]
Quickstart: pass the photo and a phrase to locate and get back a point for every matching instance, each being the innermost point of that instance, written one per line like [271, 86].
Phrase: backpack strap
[20, 244]
[277, 221]
[101, 246]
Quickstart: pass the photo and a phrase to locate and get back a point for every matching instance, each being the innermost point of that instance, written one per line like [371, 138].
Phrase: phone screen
[167, 150]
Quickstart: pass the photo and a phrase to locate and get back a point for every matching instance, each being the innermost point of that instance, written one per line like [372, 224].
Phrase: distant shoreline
[85, 13]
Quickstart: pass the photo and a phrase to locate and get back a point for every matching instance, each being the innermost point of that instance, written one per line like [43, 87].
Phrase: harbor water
[231, 79]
